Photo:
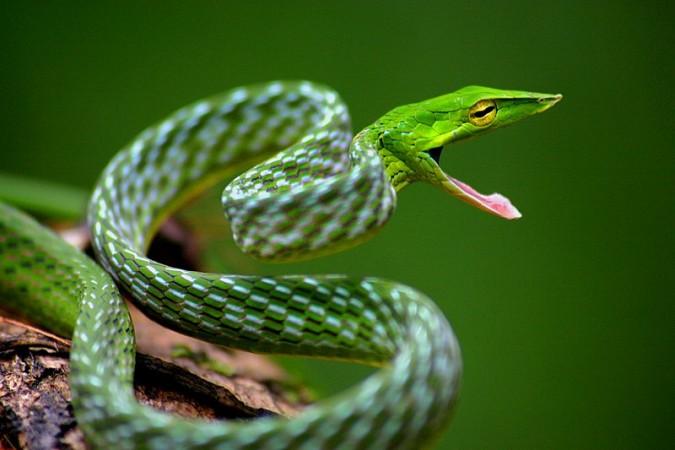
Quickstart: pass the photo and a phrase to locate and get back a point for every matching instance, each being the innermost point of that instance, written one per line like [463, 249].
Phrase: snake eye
[483, 113]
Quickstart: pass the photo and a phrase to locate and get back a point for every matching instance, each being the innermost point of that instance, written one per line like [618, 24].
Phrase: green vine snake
[320, 191]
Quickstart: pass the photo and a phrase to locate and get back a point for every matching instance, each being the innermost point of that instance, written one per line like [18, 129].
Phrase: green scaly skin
[324, 192]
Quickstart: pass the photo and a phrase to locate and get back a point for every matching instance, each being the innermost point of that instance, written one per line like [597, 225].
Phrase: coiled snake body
[321, 193]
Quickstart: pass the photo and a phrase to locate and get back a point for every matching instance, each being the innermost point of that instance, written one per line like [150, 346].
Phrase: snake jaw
[495, 203]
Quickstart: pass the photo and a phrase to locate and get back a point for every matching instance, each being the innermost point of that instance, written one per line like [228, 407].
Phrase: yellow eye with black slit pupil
[483, 113]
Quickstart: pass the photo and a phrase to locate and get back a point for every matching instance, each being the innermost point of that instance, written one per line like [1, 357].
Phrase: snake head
[414, 136]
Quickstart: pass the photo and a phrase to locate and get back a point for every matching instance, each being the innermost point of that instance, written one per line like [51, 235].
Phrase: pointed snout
[549, 101]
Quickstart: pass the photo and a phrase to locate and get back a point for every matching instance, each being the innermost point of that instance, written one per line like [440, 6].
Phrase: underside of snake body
[320, 191]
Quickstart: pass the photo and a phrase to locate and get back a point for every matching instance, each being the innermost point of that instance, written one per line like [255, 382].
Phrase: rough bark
[174, 373]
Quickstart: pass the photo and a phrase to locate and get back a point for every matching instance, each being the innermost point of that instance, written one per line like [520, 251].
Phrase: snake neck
[396, 171]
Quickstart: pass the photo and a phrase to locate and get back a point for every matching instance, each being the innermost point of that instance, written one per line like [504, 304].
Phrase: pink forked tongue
[495, 204]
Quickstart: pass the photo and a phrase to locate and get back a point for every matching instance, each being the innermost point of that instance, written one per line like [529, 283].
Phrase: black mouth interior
[435, 153]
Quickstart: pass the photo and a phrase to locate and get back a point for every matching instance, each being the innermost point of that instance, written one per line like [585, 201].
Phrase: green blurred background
[565, 316]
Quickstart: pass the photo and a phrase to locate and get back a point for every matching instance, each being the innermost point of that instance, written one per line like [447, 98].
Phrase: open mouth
[495, 203]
